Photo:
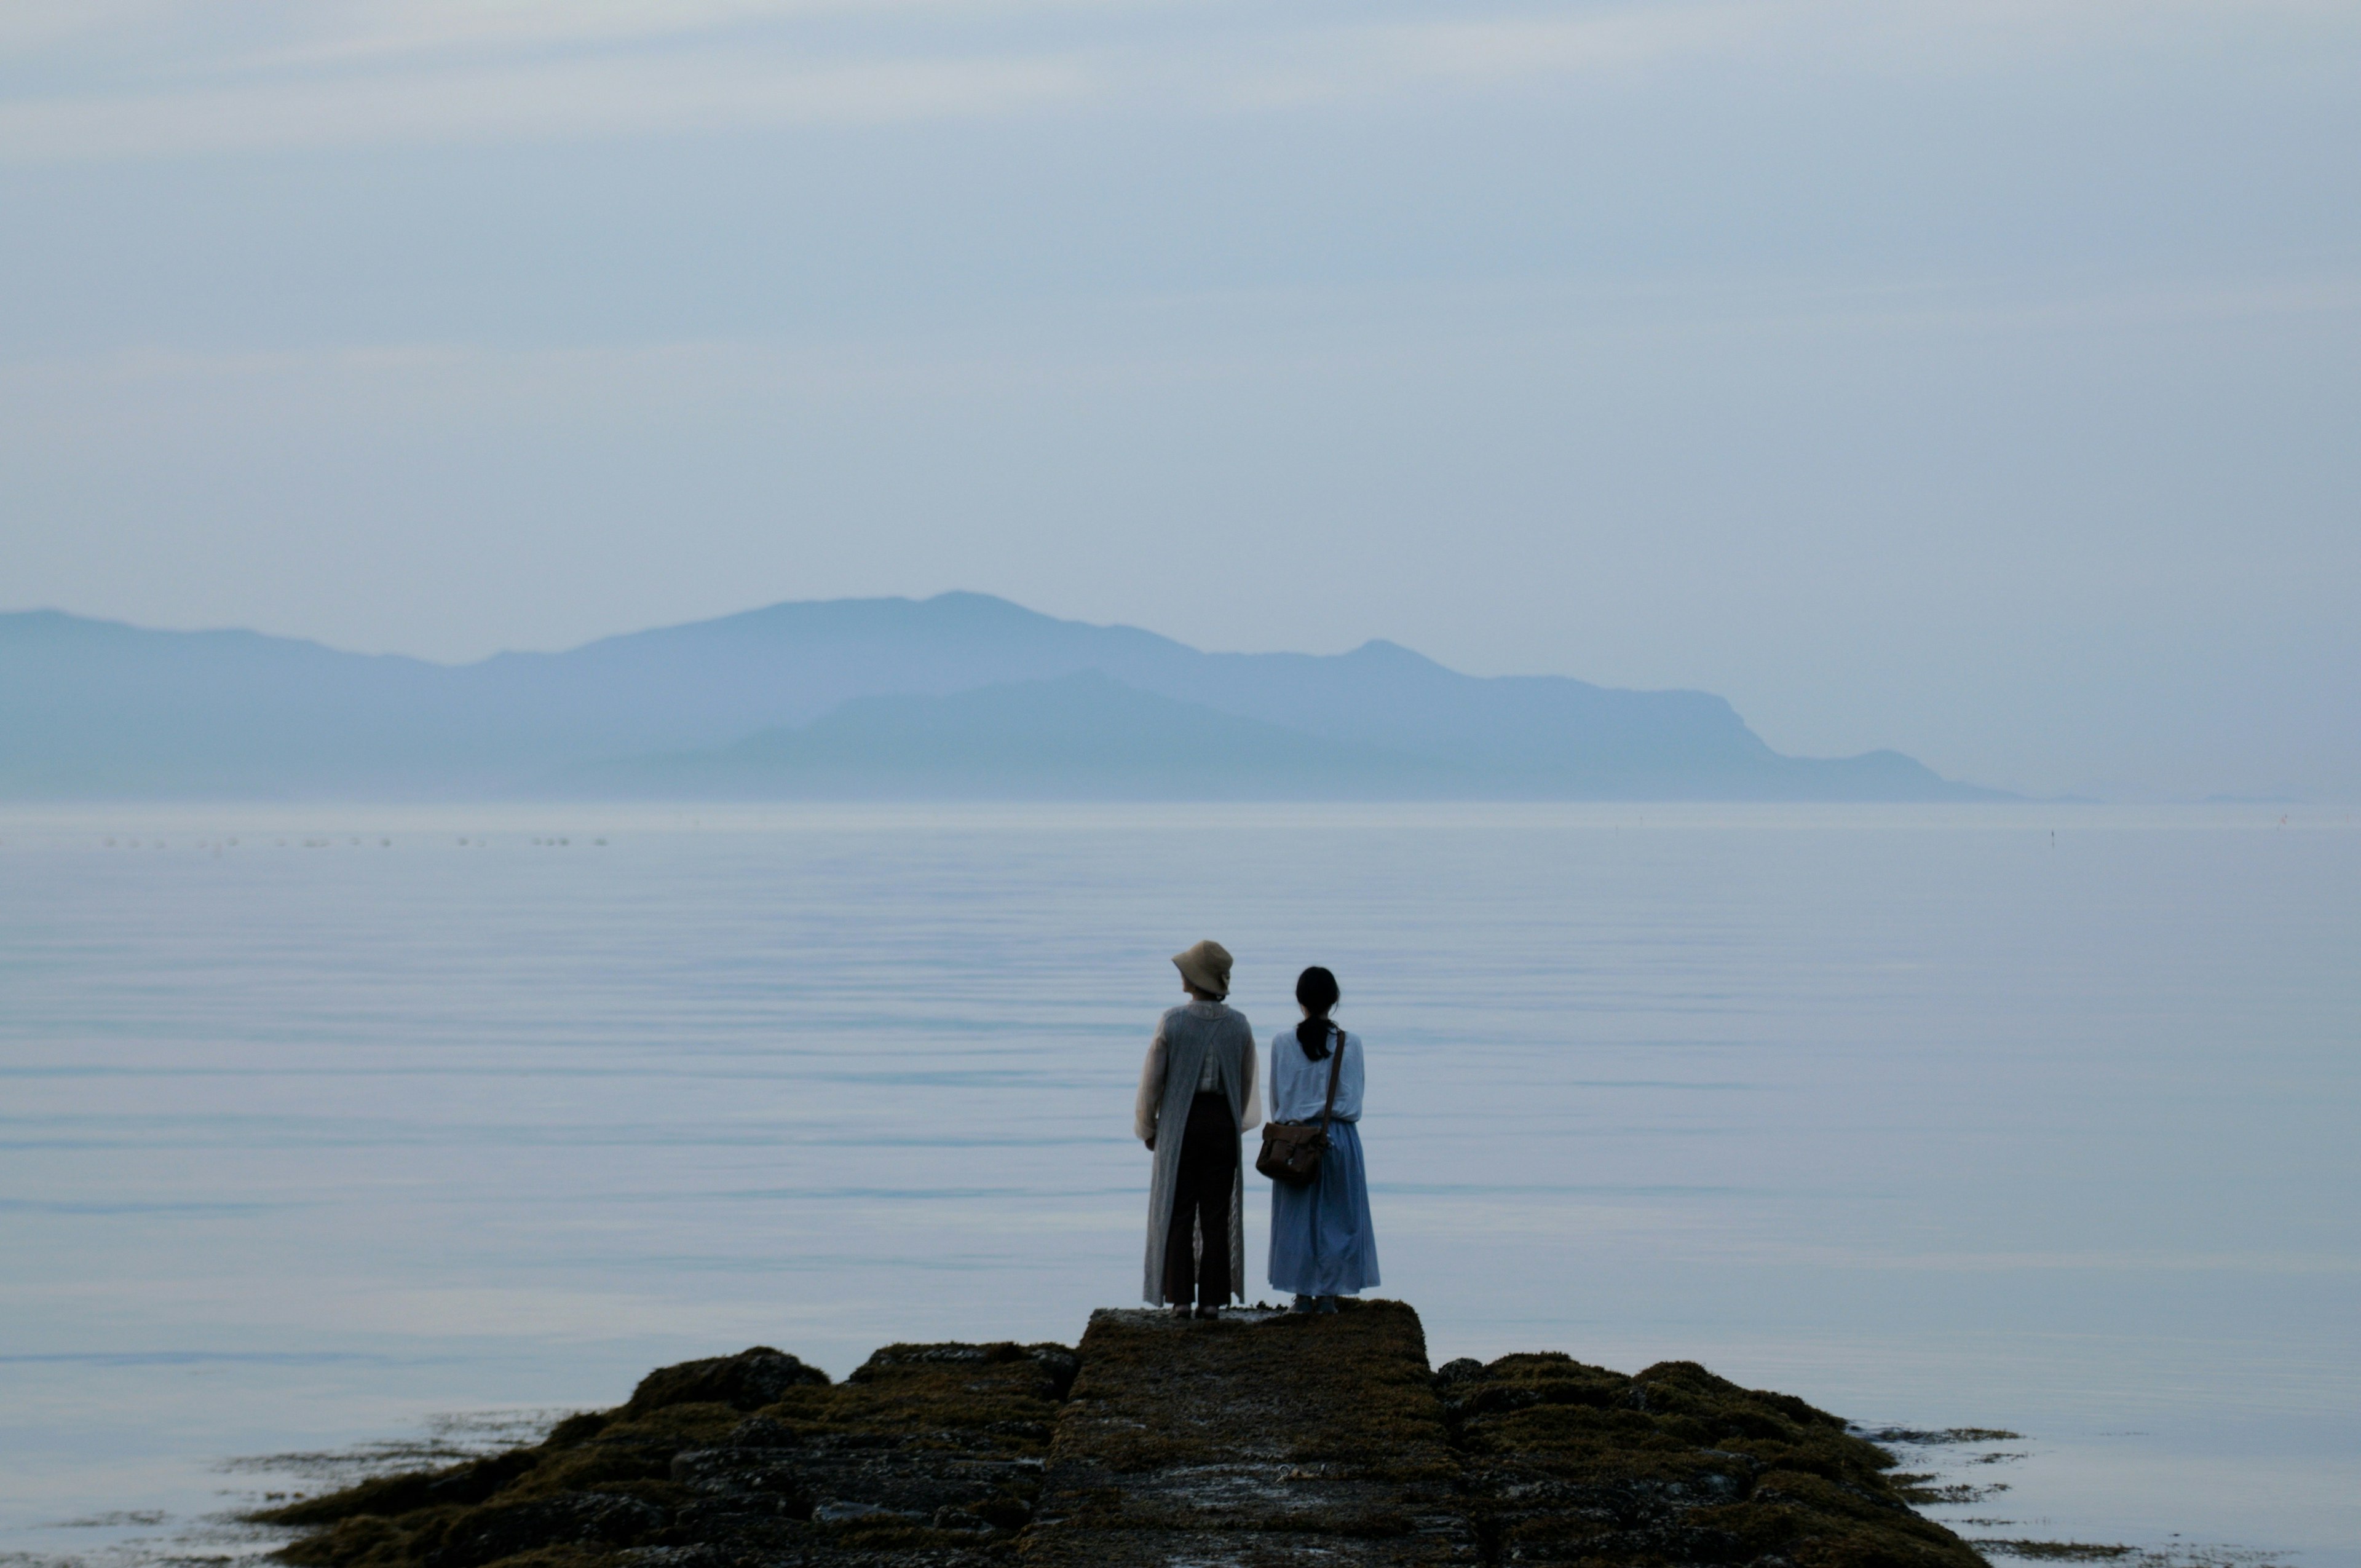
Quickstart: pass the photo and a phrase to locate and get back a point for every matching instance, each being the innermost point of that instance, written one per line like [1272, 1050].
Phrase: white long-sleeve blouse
[1299, 1086]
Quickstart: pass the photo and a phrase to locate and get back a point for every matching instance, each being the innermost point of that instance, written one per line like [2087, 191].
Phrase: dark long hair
[1316, 989]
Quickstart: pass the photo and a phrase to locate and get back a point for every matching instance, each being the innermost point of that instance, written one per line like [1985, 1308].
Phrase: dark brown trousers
[1200, 1201]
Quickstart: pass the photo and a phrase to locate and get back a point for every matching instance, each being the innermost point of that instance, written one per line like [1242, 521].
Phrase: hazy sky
[1980, 379]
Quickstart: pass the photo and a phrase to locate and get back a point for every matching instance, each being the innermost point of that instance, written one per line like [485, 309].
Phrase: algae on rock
[1261, 1439]
[1573, 1463]
[926, 1454]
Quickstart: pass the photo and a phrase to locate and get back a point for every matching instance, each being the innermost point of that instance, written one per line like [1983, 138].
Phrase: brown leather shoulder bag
[1291, 1150]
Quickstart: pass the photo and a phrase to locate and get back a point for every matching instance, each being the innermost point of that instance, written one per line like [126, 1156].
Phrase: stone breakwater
[1259, 1440]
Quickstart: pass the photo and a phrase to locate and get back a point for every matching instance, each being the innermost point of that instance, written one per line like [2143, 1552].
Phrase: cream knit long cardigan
[1192, 1041]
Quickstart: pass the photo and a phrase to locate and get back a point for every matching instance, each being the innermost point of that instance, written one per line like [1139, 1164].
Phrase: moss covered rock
[1571, 1464]
[1261, 1439]
[1256, 1439]
[926, 1454]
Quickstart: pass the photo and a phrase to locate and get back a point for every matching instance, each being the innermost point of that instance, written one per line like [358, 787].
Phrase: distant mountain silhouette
[958, 695]
[1081, 735]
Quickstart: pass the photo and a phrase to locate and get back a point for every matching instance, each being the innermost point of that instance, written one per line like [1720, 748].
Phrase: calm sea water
[322, 1127]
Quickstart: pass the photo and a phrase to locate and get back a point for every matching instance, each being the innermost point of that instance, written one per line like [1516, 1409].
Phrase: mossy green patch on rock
[1255, 1437]
[1259, 1439]
[1568, 1463]
[926, 1454]
[746, 1381]
[2058, 1550]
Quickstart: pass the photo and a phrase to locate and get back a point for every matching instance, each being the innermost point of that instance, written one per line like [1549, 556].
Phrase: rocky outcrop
[1262, 1439]
[926, 1454]
[1564, 1463]
[746, 1381]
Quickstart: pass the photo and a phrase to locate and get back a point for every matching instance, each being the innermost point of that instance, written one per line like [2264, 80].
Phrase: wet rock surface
[926, 1454]
[1258, 1439]
[1566, 1463]
[1261, 1439]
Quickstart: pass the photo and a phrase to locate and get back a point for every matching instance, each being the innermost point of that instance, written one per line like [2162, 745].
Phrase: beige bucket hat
[1206, 966]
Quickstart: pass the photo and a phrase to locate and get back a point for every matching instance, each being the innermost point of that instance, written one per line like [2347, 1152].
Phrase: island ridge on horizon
[957, 697]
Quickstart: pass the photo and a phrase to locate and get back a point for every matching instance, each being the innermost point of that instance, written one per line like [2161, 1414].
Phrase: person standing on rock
[1197, 1099]
[1321, 1243]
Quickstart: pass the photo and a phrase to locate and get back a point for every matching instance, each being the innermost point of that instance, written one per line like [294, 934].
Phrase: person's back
[1196, 1097]
[1323, 1243]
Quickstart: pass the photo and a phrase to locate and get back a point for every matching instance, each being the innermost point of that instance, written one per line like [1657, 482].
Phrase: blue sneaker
[1302, 1304]
[1327, 1303]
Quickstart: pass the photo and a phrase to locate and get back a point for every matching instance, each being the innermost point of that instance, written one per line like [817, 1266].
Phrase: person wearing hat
[1197, 1099]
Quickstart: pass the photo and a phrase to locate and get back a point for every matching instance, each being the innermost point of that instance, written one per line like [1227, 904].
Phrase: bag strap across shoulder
[1335, 1071]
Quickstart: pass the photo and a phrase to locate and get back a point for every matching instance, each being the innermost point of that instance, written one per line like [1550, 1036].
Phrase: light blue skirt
[1321, 1240]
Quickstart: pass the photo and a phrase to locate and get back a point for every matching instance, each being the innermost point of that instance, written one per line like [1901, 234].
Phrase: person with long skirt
[1322, 1242]
[1196, 1100]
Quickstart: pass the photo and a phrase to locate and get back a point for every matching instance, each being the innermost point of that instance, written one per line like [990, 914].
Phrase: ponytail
[1315, 987]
